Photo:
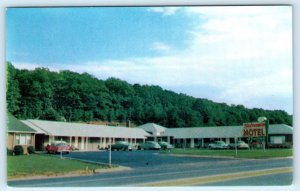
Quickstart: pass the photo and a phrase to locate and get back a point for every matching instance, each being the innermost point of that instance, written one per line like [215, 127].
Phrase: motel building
[91, 137]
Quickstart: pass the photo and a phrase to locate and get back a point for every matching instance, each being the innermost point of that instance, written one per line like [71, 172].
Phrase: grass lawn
[254, 154]
[39, 165]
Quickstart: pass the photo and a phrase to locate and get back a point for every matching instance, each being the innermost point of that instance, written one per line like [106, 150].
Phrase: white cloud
[165, 11]
[161, 47]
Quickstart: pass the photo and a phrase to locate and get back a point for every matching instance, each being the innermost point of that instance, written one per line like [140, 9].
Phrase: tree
[48, 95]
[12, 89]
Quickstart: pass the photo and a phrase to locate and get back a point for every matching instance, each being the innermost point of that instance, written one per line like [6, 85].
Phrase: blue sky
[68, 35]
[236, 55]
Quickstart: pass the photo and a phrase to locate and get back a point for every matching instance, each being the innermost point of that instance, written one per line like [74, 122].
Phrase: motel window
[23, 139]
[28, 139]
[17, 139]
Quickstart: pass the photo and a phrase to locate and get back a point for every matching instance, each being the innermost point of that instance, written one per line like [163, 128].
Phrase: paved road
[150, 166]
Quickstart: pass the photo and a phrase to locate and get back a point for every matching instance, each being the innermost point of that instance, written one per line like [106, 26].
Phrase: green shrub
[31, 150]
[9, 152]
[18, 150]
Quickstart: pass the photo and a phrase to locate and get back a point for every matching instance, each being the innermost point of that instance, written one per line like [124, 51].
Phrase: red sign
[254, 130]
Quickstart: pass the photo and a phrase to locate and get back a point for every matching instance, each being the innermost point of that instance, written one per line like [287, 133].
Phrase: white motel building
[90, 137]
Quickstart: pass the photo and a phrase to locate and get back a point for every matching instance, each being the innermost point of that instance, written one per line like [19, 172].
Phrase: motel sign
[254, 129]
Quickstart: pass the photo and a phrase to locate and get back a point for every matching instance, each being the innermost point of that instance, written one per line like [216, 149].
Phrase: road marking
[218, 178]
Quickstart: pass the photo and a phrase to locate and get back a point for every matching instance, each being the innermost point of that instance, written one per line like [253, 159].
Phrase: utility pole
[109, 158]
[235, 140]
[266, 121]
[60, 150]
[267, 132]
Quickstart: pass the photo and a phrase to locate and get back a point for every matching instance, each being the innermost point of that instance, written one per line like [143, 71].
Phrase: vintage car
[149, 145]
[58, 147]
[121, 145]
[239, 145]
[165, 145]
[218, 145]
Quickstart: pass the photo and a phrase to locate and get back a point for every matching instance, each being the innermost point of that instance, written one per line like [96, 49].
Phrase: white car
[239, 145]
[218, 145]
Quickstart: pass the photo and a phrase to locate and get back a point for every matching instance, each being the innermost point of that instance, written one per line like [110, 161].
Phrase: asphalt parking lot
[138, 159]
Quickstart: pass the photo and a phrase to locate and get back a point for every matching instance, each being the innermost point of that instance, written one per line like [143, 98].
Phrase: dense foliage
[66, 95]
[30, 150]
[18, 150]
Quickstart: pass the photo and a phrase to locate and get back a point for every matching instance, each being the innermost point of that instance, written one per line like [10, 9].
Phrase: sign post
[109, 158]
[60, 149]
[264, 119]
[235, 138]
[267, 132]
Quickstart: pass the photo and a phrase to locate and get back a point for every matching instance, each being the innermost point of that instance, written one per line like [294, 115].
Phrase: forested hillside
[66, 95]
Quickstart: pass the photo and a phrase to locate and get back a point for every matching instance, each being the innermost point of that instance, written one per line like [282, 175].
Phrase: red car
[58, 146]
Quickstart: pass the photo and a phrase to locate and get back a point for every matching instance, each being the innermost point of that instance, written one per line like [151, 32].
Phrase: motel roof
[153, 128]
[85, 130]
[221, 131]
[205, 132]
[56, 128]
[15, 125]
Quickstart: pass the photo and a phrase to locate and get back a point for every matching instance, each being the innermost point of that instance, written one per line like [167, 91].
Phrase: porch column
[33, 140]
[192, 143]
[70, 140]
[202, 145]
[14, 141]
[51, 138]
[99, 143]
[82, 143]
[168, 139]
[76, 142]
[104, 142]
[86, 143]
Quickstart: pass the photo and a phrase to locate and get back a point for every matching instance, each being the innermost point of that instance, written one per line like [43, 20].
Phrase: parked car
[165, 145]
[149, 145]
[58, 146]
[239, 145]
[218, 145]
[121, 145]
